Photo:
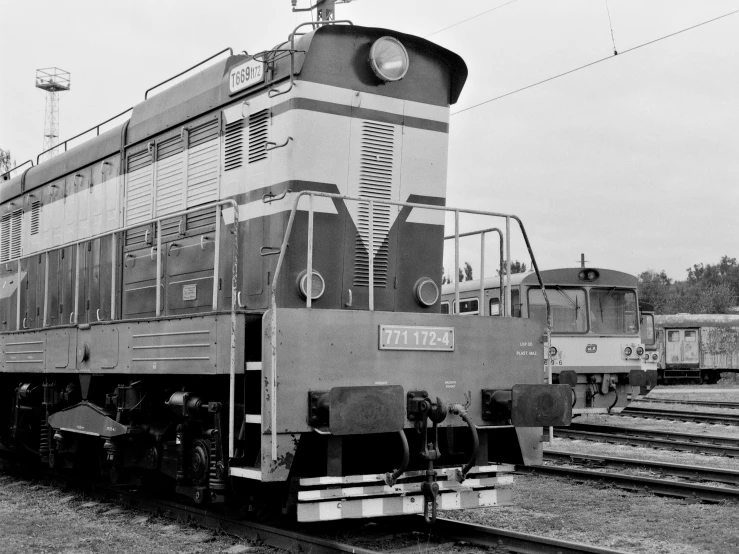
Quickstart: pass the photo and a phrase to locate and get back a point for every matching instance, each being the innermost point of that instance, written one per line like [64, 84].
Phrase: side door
[673, 347]
[691, 351]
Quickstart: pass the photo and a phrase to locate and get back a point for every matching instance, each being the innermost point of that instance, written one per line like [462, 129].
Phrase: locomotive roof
[208, 90]
[696, 320]
[562, 276]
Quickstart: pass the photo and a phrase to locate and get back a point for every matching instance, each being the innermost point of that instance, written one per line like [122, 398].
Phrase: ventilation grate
[375, 181]
[258, 127]
[35, 217]
[10, 235]
[234, 154]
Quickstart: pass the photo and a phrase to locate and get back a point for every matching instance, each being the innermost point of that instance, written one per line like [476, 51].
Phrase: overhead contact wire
[592, 63]
[470, 18]
[610, 24]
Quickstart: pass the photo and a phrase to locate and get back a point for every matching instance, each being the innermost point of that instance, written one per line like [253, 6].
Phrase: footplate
[361, 496]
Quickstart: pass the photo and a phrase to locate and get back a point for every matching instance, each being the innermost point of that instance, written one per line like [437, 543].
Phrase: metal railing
[181, 73]
[371, 202]
[95, 128]
[505, 296]
[6, 176]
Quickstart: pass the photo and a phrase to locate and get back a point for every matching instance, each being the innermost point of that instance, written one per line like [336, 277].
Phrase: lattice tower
[53, 81]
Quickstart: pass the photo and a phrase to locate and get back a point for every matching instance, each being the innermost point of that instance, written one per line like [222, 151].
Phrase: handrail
[96, 127]
[291, 38]
[6, 176]
[229, 49]
[482, 232]
[371, 202]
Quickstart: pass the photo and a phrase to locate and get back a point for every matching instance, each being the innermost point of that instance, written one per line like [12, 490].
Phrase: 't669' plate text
[246, 75]
[409, 337]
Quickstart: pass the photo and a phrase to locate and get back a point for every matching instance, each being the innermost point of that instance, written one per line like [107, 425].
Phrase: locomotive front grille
[375, 181]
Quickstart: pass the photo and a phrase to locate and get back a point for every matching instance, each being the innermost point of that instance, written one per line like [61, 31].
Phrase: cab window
[567, 307]
[515, 303]
[445, 307]
[673, 336]
[613, 311]
[647, 329]
[470, 306]
[494, 306]
[690, 336]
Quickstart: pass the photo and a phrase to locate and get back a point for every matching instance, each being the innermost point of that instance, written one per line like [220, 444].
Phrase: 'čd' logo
[591, 348]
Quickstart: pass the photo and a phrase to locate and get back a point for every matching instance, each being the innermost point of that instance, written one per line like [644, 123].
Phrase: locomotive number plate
[408, 337]
[246, 75]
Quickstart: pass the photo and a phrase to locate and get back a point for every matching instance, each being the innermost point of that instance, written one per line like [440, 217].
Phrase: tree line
[708, 289]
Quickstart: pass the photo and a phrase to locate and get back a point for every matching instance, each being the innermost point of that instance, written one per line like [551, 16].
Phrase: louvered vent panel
[138, 188]
[375, 181]
[234, 147]
[202, 164]
[10, 235]
[35, 218]
[170, 173]
[199, 220]
[258, 135]
[170, 228]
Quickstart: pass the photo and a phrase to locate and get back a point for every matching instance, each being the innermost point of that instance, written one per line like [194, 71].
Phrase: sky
[632, 161]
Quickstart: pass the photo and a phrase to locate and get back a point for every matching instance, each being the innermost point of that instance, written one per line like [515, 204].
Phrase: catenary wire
[610, 24]
[470, 18]
[532, 85]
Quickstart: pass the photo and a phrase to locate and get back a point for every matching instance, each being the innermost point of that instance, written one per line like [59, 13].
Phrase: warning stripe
[403, 505]
[402, 488]
[448, 472]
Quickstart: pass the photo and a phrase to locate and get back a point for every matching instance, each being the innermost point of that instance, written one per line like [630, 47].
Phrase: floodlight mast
[325, 10]
[52, 81]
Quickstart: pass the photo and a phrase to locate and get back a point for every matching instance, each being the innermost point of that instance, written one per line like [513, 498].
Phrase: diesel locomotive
[235, 294]
[602, 341]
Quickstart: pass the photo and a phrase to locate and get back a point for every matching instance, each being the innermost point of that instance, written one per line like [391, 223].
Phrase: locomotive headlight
[427, 292]
[318, 285]
[552, 350]
[389, 59]
[655, 356]
[627, 351]
[639, 351]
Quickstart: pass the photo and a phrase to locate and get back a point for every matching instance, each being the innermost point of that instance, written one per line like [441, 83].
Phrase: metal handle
[24, 323]
[151, 254]
[171, 246]
[203, 240]
[268, 251]
[275, 146]
[97, 314]
[238, 300]
[349, 302]
[270, 197]
[71, 316]
[147, 238]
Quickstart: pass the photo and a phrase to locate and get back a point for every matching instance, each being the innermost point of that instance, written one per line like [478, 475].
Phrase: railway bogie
[237, 292]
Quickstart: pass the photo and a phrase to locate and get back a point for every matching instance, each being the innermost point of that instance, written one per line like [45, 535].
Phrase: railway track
[686, 442]
[295, 538]
[657, 485]
[677, 415]
[702, 403]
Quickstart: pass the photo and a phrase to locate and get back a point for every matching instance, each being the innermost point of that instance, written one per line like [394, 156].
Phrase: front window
[647, 329]
[445, 307]
[673, 336]
[469, 306]
[567, 307]
[613, 311]
[690, 336]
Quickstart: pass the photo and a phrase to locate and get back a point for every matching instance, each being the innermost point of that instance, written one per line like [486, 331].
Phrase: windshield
[613, 311]
[647, 329]
[567, 305]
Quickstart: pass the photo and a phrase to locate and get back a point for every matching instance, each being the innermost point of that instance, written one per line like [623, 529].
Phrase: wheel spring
[44, 442]
[216, 477]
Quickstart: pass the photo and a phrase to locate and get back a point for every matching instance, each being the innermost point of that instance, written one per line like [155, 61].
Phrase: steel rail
[661, 487]
[677, 415]
[291, 540]
[696, 473]
[703, 403]
[686, 442]
[511, 541]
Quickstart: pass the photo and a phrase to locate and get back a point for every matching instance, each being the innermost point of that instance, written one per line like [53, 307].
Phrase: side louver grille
[375, 181]
[10, 235]
[234, 149]
[258, 126]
